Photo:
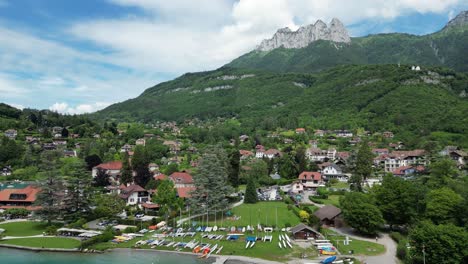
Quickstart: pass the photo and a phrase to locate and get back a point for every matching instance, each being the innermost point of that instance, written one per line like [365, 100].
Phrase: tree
[65, 132]
[140, 164]
[78, 195]
[108, 205]
[442, 205]
[442, 172]
[360, 213]
[102, 179]
[441, 243]
[127, 173]
[397, 200]
[234, 169]
[166, 197]
[301, 159]
[51, 195]
[304, 216]
[288, 167]
[92, 161]
[363, 166]
[211, 182]
[251, 192]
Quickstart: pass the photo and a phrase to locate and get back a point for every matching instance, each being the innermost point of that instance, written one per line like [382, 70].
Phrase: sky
[81, 56]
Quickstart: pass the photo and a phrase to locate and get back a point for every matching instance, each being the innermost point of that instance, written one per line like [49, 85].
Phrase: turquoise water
[12, 256]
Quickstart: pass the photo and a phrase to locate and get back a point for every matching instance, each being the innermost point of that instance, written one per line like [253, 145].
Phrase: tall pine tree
[234, 169]
[127, 174]
[251, 192]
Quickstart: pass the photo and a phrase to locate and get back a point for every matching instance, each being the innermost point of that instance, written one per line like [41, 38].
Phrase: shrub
[402, 251]
[303, 215]
[51, 230]
[396, 236]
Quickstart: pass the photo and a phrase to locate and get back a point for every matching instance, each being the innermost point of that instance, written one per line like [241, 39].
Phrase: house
[259, 151]
[57, 130]
[387, 134]
[140, 141]
[174, 146]
[328, 215]
[288, 141]
[343, 133]
[49, 146]
[243, 138]
[272, 153]
[405, 171]
[333, 171]
[455, 154]
[245, 154]
[126, 148]
[111, 168]
[69, 153]
[380, 151]
[134, 194]
[153, 167]
[304, 232]
[11, 133]
[182, 179]
[331, 153]
[150, 207]
[185, 192]
[19, 198]
[6, 171]
[316, 154]
[160, 177]
[59, 142]
[300, 130]
[311, 180]
[319, 133]
[32, 140]
[297, 187]
[398, 159]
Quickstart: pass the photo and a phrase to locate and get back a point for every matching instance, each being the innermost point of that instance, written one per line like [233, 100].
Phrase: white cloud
[64, 108]
[166, 39]
[17, 106]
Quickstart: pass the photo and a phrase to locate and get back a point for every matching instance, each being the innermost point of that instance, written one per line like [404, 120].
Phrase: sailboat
[219, 250]
[279, 244]
[248, 244]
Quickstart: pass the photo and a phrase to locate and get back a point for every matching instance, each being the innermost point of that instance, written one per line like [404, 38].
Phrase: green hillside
[439, 49]
[375, 97]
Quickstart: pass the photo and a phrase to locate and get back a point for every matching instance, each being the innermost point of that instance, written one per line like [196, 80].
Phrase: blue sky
[80, 56]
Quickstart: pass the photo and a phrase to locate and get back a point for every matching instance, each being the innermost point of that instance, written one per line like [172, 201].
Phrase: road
[389, 257]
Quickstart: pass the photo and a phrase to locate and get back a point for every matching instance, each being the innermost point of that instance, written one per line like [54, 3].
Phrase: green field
[44, 242]
[360, 247]
[264, 250]
[332, 199]
[264, 213]
[23, 228]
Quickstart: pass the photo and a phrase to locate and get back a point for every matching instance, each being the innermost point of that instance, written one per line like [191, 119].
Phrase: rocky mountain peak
[460, 20]
[305, 35]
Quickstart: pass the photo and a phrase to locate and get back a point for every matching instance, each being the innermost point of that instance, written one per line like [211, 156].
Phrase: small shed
[328, 215]
[302, 231]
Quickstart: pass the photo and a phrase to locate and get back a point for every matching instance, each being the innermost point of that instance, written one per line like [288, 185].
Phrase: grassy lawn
[360, 247]
[264, 250]
[332, 199]
[263, 213]
[46, 242]
[23, 228]
[340, 185]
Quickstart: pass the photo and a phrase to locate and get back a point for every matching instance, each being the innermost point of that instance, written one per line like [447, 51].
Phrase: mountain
[376, 97]
[442, 48]
[306, 35]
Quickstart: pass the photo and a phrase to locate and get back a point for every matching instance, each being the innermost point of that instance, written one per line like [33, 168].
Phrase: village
[152, 188]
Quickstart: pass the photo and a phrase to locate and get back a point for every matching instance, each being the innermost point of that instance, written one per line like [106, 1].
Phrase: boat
[253, 244]
[248, 244]
[215, 228]
[284, 243]
[219, 250]
[196, 249]
[243, 229]
[212, 250]
[280, 237]
[279, 244]
[289, 244]
[328, 260]
[287, 238]
[233, 229]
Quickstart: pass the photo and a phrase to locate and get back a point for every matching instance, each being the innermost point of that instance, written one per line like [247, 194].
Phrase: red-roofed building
[398, 159]
[19, 198]
[245, 154]
[134, 194]
[185, 192]
[381, 151]
[182, 179]
[300, 130]
[160, 177]
[311, 179]
[408, 170]
[111, 168]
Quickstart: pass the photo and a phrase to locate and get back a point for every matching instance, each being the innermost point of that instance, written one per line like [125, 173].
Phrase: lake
[13, 256]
